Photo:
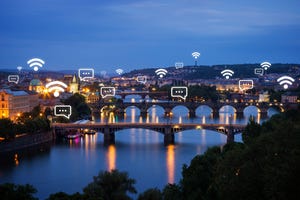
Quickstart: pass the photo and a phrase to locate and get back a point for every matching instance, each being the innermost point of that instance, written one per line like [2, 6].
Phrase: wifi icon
[195, 54]
[119, 71]
[285, 81]
[57, 87]
[35, 63]
[265, 65]
[227, 73]
[161, 72]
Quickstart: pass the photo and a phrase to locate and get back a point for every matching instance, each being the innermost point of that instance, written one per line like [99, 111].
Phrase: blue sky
[106, 35]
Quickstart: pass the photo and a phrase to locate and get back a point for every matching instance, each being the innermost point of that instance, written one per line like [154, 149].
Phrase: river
[69, 166]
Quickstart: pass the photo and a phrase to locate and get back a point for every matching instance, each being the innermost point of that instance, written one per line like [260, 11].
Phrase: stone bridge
[119, 107]
[167, 129]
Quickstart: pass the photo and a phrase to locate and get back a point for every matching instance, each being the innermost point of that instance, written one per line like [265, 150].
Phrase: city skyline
[142, 34]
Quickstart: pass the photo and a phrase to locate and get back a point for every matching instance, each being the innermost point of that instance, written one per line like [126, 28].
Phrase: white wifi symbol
[195, 54]
[161, 72]
[265, 65]
[119, 71]
[35, 63]
[227, 73]
[285, 81]
[56, 86]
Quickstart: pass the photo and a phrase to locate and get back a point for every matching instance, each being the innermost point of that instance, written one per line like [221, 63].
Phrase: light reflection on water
[69, 166]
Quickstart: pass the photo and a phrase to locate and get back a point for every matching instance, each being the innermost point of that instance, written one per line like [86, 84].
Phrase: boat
[72, 134]
[89, 132]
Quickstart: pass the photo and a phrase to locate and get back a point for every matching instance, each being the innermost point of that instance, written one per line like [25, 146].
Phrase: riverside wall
[26, 141]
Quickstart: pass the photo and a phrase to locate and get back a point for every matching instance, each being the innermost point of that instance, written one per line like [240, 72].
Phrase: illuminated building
[264, 97]
[13, 103]
[36, 85]
[74, 85]
[93, 97]
[289, 98]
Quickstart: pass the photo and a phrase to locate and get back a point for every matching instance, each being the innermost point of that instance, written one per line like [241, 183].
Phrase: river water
[69, 166]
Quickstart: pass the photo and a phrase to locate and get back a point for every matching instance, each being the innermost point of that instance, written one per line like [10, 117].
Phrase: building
[264, 97]
[289, 98]
[36, 85]
[13, 103]
[93, 97]
[74, 85]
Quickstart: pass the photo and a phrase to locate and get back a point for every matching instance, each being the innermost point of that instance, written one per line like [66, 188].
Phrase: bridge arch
[227, 109]
[106, 108]
[203, 110]
[132, 111]
[180, 110]
[156, 110]
[204, 137]
[253, 109]
[133, 97]
[276, 108]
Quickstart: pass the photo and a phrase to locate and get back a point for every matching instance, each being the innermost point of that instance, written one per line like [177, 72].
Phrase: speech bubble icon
[179, 65]
[85, 73]
[246, 84]
[13, 79]
[141, 79]
[107, 91]
[63, 110]
[179, 91]
[259, 71]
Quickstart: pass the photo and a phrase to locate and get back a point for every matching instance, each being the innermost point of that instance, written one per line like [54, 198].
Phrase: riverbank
[26, 141]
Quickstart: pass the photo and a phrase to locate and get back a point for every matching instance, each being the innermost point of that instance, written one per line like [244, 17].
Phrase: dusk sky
[131, 34]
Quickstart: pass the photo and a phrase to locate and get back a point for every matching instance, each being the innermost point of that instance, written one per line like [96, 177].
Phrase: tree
[11, 191]
[79, 107]
[251, 131]
[64, 196]
[172, 192]
[151, 194]
[7, 130]
[112, 185]
[197, 178]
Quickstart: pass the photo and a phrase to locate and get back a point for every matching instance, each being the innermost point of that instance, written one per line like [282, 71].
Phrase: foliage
[64, 196]
[262, 168]
[252, 130]
[151, 194]
[172, 192]
[80, 110]
[11, 191]
[7, 128]
[112, 185]
[197, 178]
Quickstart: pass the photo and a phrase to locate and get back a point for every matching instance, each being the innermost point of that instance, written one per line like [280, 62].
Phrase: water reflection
[171, 163]
[111, 156]
[16, 159]
[90, 141]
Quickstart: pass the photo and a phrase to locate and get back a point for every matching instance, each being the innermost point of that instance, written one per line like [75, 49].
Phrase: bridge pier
[144, 114]
[109, 136]
[168, 111]
[215, 114]
[230, 136]
[192, 113]
[239, 115]
[169, 138]
[264, 114]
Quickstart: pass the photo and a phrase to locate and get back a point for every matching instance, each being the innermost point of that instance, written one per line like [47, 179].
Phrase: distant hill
[187, 72]
[211, 72]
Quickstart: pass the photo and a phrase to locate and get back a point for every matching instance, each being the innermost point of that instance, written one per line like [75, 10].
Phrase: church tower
[74, 85]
